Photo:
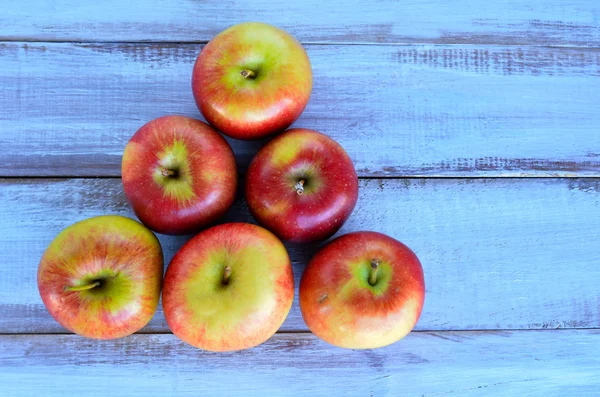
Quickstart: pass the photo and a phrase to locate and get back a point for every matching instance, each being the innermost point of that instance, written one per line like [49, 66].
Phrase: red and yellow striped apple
[101, 277]
[252, 80]
[302, 186]
[362, 290]
[179, 175]
[228, 288]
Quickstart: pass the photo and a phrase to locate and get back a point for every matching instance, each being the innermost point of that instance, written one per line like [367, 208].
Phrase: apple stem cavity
[82, 287]
[248, 74]
[374, 267]
[226, 275]
[168, 173]
[300, 187]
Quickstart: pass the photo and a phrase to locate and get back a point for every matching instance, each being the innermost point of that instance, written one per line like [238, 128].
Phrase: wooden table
[474, 127]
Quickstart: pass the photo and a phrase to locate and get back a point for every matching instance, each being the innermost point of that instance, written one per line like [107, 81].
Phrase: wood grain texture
[545, 22]
[526, 363]
[69, 109]
[497, 253]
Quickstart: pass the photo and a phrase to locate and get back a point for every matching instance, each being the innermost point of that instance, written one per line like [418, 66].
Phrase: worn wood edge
[511, 45]
[145, 331]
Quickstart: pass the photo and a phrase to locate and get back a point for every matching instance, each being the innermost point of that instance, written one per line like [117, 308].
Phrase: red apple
[228, 288]
[252, 80]
[302, 186]
[179, 175]
[101, 277]
[363, 290]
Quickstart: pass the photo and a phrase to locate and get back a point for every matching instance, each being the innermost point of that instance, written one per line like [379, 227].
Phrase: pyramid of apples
[231, 286]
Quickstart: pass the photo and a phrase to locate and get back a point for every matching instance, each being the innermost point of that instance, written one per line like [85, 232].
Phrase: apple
[252, 80]
[363, 290]
[302, 186]
[179, 175]
[228, 288]
[101, 277]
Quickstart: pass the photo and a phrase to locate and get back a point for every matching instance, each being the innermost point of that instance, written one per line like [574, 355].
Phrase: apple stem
[226, 275]
[167, 172]
[374, 267]
[248, 74]
[83, 287]
[300, 187]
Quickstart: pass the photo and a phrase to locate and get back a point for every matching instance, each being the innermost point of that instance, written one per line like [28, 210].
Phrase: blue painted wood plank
[545, 22]
[526, 363]
[497, 253]
[69, 109]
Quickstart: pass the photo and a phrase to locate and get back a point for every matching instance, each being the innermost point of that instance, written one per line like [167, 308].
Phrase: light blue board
[543, 22]
[497, 253]
[69, 109]
[473, 364]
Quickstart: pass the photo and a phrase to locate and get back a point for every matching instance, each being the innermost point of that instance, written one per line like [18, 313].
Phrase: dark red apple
[228, 288]
[362, 290]
[179, 175]
[302, 186]
[252, 80]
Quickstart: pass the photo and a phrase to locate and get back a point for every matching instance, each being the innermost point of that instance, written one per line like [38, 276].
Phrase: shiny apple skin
[205, 183]
[252, 108]
[329, 194]
[340, 306]
[122, 253]
[247, 311]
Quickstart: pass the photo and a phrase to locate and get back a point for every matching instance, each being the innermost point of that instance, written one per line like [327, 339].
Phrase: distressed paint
[69, 109]
[496, 253]
[503, 89]
[545, 22]
[518, 363]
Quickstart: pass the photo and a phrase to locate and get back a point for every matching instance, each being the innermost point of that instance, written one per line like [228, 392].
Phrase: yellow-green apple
[228, 288]
[179, 175]
[101, 277]
[302, 186]
[252, 80]
[362, 290]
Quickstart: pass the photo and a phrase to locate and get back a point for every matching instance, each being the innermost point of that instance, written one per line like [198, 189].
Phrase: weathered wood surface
[69, 109]
[497, 253]
[413, 88]
[521, 363]
[543, 22]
